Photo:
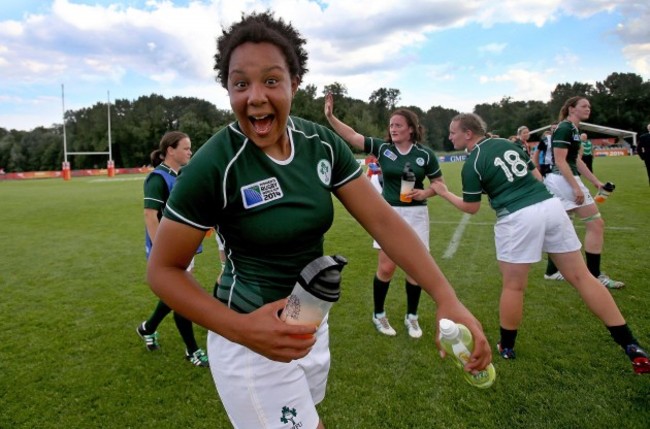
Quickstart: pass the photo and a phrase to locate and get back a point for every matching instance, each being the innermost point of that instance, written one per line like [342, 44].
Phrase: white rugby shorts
[522, 236]
[418, 218]
[558, 186]
[260, 393]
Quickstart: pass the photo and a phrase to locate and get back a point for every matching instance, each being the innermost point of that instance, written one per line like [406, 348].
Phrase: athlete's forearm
[461, 205]
[151, 222]
[346, 132]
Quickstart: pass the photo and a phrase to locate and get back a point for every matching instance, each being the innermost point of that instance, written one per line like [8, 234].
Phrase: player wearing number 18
[516, 193]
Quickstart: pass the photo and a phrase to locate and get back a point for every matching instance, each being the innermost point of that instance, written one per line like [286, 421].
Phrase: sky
[74, 54]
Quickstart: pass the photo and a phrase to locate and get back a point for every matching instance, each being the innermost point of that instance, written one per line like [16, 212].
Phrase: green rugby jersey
[155, 189]
[271, 214]
[423, 163]
[567, 136]
[501, 170]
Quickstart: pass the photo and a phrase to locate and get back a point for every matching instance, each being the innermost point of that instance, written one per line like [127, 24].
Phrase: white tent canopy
[585, 126]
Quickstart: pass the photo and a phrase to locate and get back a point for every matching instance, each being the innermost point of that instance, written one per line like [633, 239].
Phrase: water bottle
[604, 192]
[317, 288]
[408, 183]
[457, 341]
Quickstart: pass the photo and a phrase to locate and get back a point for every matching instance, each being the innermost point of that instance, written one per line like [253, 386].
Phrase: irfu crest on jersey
[324, 170]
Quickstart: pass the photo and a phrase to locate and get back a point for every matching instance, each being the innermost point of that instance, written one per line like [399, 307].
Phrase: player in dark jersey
[174, 151]
[265, 183]
[587, 153]
[565, 183]
[515, 192]
[643, 149]
[400, 147]
[542, 156]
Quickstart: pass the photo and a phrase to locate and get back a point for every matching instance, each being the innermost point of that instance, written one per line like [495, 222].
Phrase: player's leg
[193, 353]
[380, 285]
[594, 239]
[418, 219]
[511, 305]
[148, 330]
[601, 303]
[518, 244]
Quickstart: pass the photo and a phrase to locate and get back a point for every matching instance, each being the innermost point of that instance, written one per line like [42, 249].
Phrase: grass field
[72, 292]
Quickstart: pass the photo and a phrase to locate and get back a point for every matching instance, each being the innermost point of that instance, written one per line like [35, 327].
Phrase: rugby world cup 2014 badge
[261, 192]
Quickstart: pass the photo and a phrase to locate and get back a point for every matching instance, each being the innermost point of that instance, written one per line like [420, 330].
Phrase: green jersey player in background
[400, 148]
[565, 182]
[515, 191]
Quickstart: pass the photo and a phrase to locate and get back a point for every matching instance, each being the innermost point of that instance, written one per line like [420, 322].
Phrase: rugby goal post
[65, 166]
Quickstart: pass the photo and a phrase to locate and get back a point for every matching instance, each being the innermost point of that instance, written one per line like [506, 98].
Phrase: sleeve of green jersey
[345, 166]
[433, 170]
[155, 192]
[372, 145]
[472, 188]
[563, 135]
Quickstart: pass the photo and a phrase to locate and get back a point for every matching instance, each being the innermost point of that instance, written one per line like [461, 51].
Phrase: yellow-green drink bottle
[457, 341]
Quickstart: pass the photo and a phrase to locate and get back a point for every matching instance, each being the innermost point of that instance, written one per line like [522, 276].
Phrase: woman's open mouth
[262, 124]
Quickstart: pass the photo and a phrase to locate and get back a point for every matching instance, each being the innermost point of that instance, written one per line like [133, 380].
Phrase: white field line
[457, 237]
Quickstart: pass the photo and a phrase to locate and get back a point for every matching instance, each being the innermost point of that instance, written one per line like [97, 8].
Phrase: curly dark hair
[258, 28]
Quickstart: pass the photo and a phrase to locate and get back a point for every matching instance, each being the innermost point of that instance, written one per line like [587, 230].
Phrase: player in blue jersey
[265, 183]
[514, 189]
[174, 151]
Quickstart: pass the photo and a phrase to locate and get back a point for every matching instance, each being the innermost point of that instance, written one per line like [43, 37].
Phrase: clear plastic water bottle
[407, 184]
[457, 341]
[318, 287]
[603, 193]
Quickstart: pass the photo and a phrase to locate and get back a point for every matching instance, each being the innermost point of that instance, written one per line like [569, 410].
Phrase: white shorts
[558, 186]
[374, 179]
[522, 236]
[418, 218]
[260, 393]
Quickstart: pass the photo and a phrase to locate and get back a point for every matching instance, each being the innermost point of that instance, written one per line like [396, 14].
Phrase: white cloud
[639, 58]
[11, 29]
[528, 85]
[492, 48]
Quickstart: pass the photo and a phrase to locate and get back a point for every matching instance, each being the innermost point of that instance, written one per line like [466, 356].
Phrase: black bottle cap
[322, 277]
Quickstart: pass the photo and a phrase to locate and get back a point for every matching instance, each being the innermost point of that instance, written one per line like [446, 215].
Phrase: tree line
[621, 101]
